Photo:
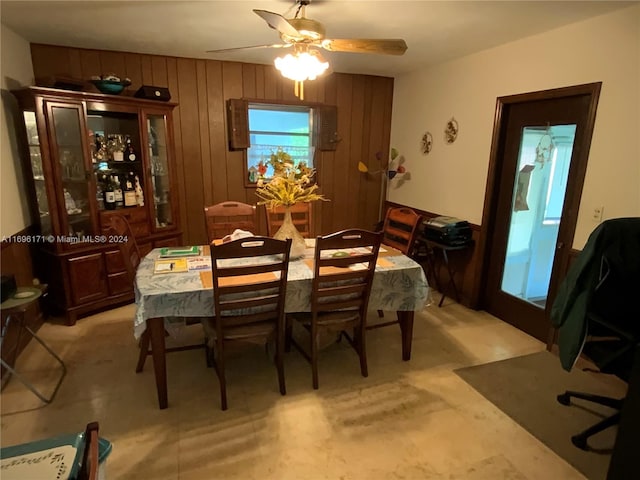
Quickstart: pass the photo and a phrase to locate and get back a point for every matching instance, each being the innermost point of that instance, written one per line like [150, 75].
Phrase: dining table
[165, 297]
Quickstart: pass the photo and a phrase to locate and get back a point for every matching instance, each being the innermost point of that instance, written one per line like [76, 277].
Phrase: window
[559, 176]
[273, 126]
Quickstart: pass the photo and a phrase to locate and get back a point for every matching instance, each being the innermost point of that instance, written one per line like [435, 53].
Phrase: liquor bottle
[129, 192]
[139, 192]
[117, 188]
[116, 147]
[100, 192]
[130, 152]
[109, 195]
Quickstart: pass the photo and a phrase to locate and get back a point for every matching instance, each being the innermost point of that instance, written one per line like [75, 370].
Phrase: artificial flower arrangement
[290, 183]
[391, 169]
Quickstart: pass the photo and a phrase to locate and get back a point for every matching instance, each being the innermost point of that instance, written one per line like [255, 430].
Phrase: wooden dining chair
[90, 453]
[248, 301]
[130, 254]
[120, 229]
[225, 217]
[342, 278]
[300, 215]
[400, 229]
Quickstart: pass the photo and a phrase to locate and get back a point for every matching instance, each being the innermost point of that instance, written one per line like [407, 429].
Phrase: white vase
[289, 230]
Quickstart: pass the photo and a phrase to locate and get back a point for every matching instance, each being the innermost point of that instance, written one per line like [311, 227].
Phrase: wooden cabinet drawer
[87, 278]
[119, 283]
[114, 261]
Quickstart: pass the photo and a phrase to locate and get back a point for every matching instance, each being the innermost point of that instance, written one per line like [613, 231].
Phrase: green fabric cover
[613, 244]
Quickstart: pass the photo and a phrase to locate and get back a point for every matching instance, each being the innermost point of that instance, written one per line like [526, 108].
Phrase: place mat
[207, 279]
[388, 251]
[380, 262]
[384, 263]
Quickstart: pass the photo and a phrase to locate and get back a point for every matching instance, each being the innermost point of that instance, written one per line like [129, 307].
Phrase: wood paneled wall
[207, 171]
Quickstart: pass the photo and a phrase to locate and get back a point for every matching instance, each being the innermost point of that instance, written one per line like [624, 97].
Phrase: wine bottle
[109, 195]
[100, 198]
[116, 146]
[130, 152]
[129, 192]
[118, 192]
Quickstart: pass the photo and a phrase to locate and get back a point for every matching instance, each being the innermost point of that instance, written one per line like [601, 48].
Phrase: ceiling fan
[309, 32]
[306, 36]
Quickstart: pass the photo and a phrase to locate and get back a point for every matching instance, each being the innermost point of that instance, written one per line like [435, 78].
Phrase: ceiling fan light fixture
[301, 66]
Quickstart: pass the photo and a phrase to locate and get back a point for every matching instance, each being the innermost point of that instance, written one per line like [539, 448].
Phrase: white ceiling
[435, 31]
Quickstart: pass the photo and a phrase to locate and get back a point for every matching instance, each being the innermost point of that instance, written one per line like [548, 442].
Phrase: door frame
[572, 196]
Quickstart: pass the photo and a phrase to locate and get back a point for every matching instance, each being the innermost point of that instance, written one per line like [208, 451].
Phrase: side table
[15, 308]
[431, 261]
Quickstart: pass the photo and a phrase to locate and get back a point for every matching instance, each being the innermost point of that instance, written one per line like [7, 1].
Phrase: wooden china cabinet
[75, 145]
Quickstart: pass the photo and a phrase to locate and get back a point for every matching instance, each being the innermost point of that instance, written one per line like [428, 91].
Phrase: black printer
[449, 231]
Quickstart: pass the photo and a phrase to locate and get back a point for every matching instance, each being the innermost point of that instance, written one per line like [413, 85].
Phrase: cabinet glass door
[160, 174]
[37, 172]
[77, 220]
[114, 143]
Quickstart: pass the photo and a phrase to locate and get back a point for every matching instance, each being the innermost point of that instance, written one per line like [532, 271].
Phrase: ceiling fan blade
[388, 46]
[277, 22]
[225, 50]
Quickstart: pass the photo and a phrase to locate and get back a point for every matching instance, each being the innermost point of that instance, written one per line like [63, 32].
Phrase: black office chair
[597, 311]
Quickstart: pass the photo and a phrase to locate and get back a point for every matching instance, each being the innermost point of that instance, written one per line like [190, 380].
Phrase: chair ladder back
[120, 230]
[223, 218]
[301, 216]
[244, 293]
[401, 229]
[248, 300]
[340, 293]
[344, 282]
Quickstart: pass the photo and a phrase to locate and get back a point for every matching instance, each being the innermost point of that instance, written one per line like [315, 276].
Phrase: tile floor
[407, 420]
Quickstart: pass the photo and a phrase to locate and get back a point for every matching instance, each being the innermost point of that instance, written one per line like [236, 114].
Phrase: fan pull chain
[298, 89]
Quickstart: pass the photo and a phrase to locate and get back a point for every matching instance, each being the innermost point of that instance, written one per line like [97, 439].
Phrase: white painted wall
[451, 180]
[16, 70]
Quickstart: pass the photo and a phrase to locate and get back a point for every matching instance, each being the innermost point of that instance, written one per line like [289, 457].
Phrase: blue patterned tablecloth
[400, 286]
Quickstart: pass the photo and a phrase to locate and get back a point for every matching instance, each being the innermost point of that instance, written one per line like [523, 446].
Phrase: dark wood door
[539, 157]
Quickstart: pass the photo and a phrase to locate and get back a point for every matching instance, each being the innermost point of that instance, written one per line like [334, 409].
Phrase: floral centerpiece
[291, 183]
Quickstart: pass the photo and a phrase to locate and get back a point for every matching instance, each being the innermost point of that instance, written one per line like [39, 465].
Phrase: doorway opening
[543, 170]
